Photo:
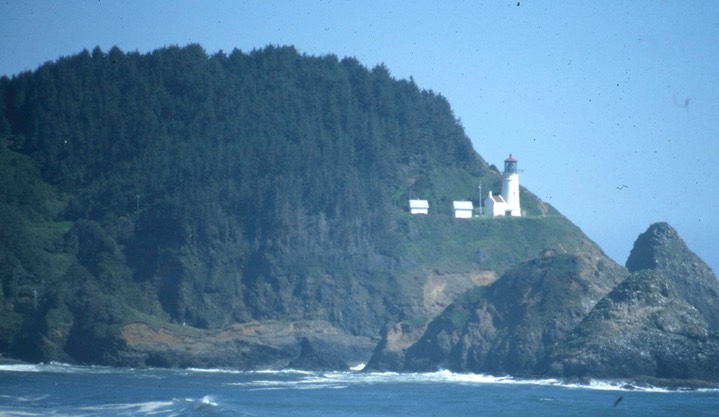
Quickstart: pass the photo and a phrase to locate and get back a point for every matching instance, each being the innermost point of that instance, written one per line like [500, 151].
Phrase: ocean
[67, 390]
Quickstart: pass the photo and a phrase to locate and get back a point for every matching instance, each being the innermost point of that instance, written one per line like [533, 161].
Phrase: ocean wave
[604, 385]
[208, 400]
[177, 406]
[282, 372]
[214, 371]
[301, 379]
[56, 367]
[327, 380]
[65, 368]
[244, 372]
[19, 368]
[148, 407]
[358, 367]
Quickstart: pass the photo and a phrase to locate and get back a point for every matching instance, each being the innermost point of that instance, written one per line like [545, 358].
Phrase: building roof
[497, 198]
[463, 205]
[418, 204]
[510, 159]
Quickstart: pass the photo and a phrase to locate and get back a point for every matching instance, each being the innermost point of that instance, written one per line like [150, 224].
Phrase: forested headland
[177, 188]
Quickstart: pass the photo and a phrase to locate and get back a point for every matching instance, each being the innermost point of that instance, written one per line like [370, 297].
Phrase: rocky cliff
[573, 316]
[509, 326]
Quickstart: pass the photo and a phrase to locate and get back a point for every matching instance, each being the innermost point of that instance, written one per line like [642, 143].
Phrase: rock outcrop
[576, 316]
[311, 359]
[510, 326]
[643, 328]
[389, 355]
[661, 248]
[661, 322]
[253, 345]
[439, 290]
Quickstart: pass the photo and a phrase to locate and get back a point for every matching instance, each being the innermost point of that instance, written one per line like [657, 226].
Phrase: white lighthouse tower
[510, 187]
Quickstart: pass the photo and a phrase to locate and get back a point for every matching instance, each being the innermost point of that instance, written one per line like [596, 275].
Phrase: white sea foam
[152, 407]
[20, 368]
[215, 370]
[40, 367]
[148, 407]
[300, 379]
[208, 400]
[237, 371]
[20, 413]
[32, 399]
[55, 367]
[338, 380]
[358, 367]
[282, 372]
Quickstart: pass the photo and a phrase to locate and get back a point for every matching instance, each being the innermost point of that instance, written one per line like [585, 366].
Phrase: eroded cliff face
[253, 345]
[509, 326]
[439, 291]
[272, 344]
[661, 322]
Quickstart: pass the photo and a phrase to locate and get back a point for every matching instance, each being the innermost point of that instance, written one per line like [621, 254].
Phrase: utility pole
[480, 200]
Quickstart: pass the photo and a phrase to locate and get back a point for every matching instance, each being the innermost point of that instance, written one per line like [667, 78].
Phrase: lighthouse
[510, 187]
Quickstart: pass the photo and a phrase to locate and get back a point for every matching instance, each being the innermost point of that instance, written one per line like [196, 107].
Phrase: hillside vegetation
[192, 192]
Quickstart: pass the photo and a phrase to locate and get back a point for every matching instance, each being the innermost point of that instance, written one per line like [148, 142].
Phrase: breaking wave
[339, 380]
[55, 367]
[175, 407]
[300, 379]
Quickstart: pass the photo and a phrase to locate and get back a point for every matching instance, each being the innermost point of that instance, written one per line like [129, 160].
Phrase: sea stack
[659, 323]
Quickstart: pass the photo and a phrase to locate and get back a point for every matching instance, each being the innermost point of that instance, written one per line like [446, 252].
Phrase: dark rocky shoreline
[568, 316]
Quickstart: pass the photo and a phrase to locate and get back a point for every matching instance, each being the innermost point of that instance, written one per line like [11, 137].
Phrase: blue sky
[611, 108]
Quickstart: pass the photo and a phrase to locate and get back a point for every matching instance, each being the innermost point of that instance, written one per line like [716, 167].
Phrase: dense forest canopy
[178, 127]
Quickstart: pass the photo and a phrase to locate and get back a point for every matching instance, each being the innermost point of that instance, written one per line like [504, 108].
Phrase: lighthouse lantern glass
[510, 166]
